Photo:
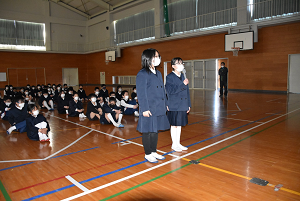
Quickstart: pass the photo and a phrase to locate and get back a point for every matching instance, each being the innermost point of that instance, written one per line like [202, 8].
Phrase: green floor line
[4, 192]
[146, 182]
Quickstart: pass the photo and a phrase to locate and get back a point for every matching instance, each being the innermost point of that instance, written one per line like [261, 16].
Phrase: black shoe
[221, 96]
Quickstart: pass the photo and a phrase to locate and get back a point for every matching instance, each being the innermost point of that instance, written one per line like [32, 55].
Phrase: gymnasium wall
[264, 68]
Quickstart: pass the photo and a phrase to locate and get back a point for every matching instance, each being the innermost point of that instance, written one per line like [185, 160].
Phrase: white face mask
[35, 113]
[11, 88]
[222, 66]
[134, 91]
[28, 87]
[97, 92]
[39, 87]
[180, 67]
[76, 97]
[21, 105]
[26, 93]
[113, 96]
[46, 96]
[156, 61]
[126, 97]
[7, 104]
[27, 99]
[70, 92]
[63, 95]
[33, 88]
[93, 99]
[58, 88]
[120, 89]
[6, 88]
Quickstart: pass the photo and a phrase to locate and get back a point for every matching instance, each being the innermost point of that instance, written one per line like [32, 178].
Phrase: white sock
[136, 113]
[51, 103]
[120, 118]
[11, 129]
[112, 120]
[41, 136]
[173, 136]
[46, 105]
[178, 133]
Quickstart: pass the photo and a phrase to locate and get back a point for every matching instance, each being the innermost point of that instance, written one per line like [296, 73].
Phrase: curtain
[7, 32]
[30, 34]
[270, 8]
[136, 27]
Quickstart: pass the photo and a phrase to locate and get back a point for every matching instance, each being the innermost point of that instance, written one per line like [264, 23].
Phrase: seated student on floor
[97, 93]
[62, 103]
[57, 92]
[103, 92]
[39, 91]
[133, 94]
[5, 108]
[33, 91]
[28, 97]
[112, 114]
[21, 92]
[81, 93]
[70, 93]
[112, 94]
[119, 93]
[75, 107]
[129, 106]
[94, 110]
[6, 91]
[17, 116]
[37, 125]
[45, 101]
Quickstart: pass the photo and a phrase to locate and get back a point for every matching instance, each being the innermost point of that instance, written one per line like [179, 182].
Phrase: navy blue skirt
[177, 118]
[153, 124]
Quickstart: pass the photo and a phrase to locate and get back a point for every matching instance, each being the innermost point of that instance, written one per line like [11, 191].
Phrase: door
[70, 76]
[294, 73]
[210, 74]
[189, 72]
[198, 75]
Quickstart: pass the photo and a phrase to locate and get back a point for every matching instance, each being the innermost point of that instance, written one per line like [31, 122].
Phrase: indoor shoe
[157, 156]
[183, 147]
[51, 109]
[177, 149]
[2, 115]
[10, 130]
[121, 126]
[151, 158]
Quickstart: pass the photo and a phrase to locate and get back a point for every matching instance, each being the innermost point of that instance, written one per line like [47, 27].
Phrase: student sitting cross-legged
[5, 107]
[62, 103]
[45, 101]
[75, 107]
[112, 114]
[129, 106]
[94, 110]
[37, 125]
[17, 116]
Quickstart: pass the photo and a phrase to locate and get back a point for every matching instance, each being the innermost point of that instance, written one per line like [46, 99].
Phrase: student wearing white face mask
[119, 93]
[37, 125]
[94, 110]
[179, 103]
[129, 107]
[133, 94]
[17, 116]
[45, 101]
[5, 108]
[75, 107]
[62, 103]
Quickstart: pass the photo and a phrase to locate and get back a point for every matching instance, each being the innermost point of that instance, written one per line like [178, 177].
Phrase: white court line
[119, 138]
[163, 164]
[231, 118]
[76, 183]
[213, 111]
[238, 107]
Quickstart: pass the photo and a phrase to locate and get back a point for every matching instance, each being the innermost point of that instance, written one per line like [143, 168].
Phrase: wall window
[22, 35]
[139, 27]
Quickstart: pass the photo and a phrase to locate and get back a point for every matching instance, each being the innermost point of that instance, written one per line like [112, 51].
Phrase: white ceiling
[91, 8]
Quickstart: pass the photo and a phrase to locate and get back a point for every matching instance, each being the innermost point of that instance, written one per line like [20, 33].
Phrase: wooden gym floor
[247, 135]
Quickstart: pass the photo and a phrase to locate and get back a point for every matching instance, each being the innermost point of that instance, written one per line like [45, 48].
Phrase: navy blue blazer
[16, 116]
[178, 93]
[151, 92]
[73, 106]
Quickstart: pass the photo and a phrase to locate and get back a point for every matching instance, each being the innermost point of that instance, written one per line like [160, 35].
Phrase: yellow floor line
[242, 176]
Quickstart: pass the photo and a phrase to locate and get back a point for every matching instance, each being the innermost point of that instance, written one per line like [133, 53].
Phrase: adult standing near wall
[152, 104]
[179, 102]
[223, 72]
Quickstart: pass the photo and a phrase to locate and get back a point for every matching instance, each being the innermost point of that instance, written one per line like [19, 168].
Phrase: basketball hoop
[235, 51]
[106, 61]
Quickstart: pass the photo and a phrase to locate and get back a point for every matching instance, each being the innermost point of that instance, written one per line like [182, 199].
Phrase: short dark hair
[119, 86]
[81, 85]
[30, 107]
[173, 62]
[147, 57]
[103, 85]
[6, 98]
[123, 92]
[18, 98]
[223, 63]
[96, 88]
[45, 92]
[112, 99]
[112, 92]
[134, 87]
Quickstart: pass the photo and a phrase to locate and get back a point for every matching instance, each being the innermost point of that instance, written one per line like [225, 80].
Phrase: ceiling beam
[122, 3]
[103, 4]
[70, 8]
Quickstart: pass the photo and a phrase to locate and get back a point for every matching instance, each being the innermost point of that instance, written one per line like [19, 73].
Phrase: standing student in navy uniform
[179, 103]
[152, 104]
[223, 71]
[17, 116]
[37, 125]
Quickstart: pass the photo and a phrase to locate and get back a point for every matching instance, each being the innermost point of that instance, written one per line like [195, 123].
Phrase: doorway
[294, 73]
[70, 76]
[202, 74]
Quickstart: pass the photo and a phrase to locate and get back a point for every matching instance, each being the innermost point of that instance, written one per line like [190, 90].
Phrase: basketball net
[235, 51]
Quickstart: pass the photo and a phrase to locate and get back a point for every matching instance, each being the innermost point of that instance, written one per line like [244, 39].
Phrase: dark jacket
[223, 74]
[42, 99]
[178, 93]
[61, 103]
[16, 115]
[73, 106]
[81, 93]
[31, 121]
[92, 108]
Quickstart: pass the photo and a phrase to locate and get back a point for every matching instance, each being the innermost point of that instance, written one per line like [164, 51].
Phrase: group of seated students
[23, 114]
